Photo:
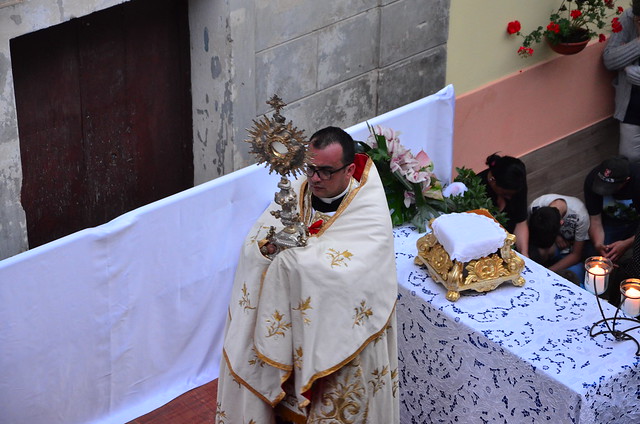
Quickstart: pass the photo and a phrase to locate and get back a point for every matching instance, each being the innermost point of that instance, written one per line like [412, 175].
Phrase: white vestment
[311, 334]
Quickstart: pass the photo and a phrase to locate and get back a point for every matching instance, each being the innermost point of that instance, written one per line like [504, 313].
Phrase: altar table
[513, 355]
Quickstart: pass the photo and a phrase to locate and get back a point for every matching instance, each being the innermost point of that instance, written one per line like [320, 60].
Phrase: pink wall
[532, 108]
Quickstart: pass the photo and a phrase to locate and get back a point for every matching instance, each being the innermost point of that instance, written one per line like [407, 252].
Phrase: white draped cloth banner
[109, 323]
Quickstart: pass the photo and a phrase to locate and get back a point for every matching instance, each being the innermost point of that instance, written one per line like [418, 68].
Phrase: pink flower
[395, 165]
[414, 176]
[409, 199]
[390, 135]
[395, 148]
[423, 159]
[402, 161]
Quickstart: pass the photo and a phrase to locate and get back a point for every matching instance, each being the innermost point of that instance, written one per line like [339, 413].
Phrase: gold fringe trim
[333, 369]
[250, 388]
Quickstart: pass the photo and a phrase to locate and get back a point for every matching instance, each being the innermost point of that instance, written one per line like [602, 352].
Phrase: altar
[512, 355]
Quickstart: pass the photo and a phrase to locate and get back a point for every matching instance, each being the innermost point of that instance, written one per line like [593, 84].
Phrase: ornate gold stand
[482, 274]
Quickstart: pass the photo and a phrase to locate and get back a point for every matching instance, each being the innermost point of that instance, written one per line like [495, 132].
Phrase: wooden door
[104, 115]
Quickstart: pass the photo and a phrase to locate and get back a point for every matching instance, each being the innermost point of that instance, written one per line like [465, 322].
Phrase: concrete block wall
[339, 63]
[334, 62]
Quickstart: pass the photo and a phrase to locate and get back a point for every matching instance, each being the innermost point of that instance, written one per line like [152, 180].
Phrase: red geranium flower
[525, 51]
[574, 19]
[513, 27]
[616, 26]
[553, 27]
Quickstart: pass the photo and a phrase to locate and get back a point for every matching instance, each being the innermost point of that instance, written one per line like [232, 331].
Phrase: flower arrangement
[414, 193]
[474, 196]
[574, 21]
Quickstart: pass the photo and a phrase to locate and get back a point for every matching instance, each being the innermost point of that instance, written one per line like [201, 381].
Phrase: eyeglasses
[323, 173]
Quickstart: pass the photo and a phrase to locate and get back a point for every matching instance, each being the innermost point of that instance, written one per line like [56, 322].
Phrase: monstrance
[284, 150]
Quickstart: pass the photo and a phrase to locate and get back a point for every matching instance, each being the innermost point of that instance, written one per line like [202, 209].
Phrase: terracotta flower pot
[568, 48]
[574, 42]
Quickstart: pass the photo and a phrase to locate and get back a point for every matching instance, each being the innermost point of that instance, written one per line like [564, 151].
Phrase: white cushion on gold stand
[468, 236]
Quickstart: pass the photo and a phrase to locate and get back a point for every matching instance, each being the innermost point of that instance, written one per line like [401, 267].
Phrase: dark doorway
[104, 115]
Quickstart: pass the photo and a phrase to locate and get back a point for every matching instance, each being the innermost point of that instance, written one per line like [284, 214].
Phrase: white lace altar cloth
[512, 355]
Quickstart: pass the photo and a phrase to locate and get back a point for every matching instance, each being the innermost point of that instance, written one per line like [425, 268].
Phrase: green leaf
[380, 140]
[475, 197]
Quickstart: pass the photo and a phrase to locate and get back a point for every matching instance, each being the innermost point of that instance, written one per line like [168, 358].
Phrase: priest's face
[329, 159]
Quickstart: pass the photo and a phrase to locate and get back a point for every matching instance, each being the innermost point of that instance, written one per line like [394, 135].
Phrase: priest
[311, 331]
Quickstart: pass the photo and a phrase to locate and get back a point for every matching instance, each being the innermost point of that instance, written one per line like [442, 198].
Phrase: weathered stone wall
[334, 62]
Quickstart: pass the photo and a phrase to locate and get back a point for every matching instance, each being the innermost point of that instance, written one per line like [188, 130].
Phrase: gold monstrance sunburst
[284, 150]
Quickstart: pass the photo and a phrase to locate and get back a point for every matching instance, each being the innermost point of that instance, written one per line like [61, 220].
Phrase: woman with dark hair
[506, 182]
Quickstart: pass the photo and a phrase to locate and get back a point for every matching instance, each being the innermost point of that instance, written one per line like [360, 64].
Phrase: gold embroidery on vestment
[320, 216]
[344, 400]
[347, 360]
[245, 302]
[362, 312]
[221, 416]
[254, 238]
[339, 258]
[276, 325]
[240, 381]
[382, 334]
[302, 307]
[256, 359]
[378, 381]
[395, 383]
[297, 357]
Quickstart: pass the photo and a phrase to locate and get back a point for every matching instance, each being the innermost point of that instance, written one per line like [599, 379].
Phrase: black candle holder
[596, 281]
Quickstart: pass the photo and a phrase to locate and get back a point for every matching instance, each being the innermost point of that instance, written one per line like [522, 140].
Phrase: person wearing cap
[621, 54]
[612, 198]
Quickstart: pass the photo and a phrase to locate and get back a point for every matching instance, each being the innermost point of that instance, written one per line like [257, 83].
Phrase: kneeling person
[559, 230]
